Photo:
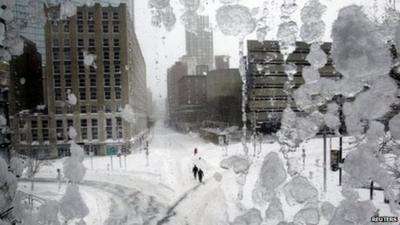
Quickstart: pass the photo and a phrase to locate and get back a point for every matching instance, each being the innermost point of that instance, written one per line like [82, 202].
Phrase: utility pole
[340, 159]
[325, 160]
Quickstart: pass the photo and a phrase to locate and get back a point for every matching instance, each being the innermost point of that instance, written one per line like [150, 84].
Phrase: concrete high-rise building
[117, 81]
[199, 44]
[30, 15]
[266, 96]
[224, 96]
[33, 29]
[192, 100]
[174, 74]
[26, 83]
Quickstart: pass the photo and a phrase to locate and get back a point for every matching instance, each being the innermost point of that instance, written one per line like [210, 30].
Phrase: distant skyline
[161, 48]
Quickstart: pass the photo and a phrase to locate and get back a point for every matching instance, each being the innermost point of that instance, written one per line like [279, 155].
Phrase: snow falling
[151, 181]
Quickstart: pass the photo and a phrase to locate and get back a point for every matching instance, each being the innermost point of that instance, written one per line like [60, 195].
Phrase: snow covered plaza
[199, 112]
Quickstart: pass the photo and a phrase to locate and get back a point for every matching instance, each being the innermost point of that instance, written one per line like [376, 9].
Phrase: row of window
[105, 15]
[82, 68]
[106, 27]
[82, 80]
[91, 108]
[92, 93]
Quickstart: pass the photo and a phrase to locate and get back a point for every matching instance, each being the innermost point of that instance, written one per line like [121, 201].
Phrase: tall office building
[199, 44]
[117, 81]
[266, 79]
[174, 74]
[32, 28]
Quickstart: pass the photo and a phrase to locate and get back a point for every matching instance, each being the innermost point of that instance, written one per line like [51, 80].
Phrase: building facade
[117, 80]
[224, 96]
[33, 28]
[200, 44]
[266, 79]
[221, 62]
[192, 98]
[174, 74]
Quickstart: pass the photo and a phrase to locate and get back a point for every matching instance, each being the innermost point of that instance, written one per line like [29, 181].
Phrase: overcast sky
[161, 49]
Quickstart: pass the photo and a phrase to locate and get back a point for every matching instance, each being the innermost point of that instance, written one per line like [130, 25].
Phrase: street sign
[111, 150]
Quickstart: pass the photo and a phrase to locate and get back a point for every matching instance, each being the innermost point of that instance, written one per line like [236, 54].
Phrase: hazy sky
[161, 49]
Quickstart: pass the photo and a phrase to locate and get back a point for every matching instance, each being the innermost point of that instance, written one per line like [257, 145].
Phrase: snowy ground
[162, 190]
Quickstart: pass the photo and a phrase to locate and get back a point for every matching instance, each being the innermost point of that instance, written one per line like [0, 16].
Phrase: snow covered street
[162, 190]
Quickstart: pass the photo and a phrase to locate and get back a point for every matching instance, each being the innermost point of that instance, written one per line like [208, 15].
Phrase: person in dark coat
[201, 174]
[195, 170]
[195, 151]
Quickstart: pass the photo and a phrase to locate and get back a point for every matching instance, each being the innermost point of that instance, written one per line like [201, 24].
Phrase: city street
[164, 190]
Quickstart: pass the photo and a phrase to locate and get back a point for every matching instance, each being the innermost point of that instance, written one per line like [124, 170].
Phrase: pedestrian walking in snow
[195, 151]
[201, 174]
[195, 170]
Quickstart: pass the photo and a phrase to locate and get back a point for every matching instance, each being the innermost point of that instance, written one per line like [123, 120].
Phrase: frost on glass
[272, 174]
[250, 217]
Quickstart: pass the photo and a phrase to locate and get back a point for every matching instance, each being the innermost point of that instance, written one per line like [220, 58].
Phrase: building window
[81, 67]
[83, 109]
[106, 54]
[115, 16]
[117, 78]
[106, 67]
[92, 78]
[105, 15]
[119, 127]
[117, 68]
[107, 93]
[105, 26]
[56, 67]
[90, 16]
[79, 15]
[56, 54]
[115, 27]
[95, 131]
[116, 56]
[57, 80]
[67, 67]
[80, 26]
[93, 93]
[59, 130]
[91, 26]
[109, 128]
[80, 56]
[107, 79]
[68, 80]
[116, 42]
[59, 110]
[82, 93]
[81, 42]
[84, 129]
[92, 42]
[45, 130]
[117, 93]
[57, 94]
[93, 108]
[105, 42]
[67, 54]
[81, 78]
[34, 130]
